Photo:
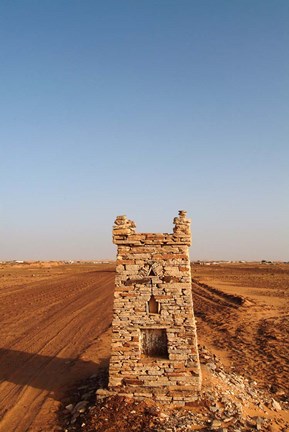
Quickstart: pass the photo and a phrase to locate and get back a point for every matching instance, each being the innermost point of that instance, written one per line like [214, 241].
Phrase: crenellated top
[123, 226]
[124, 232]
[182, 224]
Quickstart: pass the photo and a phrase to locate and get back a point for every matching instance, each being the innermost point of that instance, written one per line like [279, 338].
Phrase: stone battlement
[124, 232]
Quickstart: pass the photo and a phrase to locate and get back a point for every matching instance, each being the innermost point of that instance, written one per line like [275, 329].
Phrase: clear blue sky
[144, 108]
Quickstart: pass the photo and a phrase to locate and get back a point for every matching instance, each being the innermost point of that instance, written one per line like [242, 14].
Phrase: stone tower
[154, 343]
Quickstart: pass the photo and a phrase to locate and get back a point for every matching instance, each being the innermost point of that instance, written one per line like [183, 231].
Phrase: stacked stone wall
[154, 343]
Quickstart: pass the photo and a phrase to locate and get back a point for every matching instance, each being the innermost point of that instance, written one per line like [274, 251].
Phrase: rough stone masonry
[154, 342]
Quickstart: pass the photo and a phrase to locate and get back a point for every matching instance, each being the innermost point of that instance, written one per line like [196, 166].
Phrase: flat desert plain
[55, 332]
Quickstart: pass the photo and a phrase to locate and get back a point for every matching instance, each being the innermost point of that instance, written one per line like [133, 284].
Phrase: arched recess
[153, 305]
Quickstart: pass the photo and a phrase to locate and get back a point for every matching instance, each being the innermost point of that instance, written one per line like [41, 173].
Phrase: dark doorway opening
[155, 343]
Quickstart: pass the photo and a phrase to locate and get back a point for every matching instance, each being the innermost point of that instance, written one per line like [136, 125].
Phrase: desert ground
[55, 341]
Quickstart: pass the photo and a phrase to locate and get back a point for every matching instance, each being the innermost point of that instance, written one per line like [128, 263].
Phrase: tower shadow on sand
[49, 373]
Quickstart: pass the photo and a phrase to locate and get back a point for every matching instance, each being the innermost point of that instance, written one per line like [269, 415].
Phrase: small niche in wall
[155, 343]
[152, 272]
[153, 306]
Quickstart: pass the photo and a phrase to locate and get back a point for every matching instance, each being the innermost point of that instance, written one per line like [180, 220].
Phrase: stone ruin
[154, 351]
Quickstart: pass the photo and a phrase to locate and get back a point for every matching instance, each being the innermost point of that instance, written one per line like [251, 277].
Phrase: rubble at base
[228, 403]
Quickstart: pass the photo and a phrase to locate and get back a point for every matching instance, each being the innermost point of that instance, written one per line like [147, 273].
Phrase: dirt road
[47, 321]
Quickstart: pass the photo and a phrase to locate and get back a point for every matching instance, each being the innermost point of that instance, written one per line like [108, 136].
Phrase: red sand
[54, 319]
